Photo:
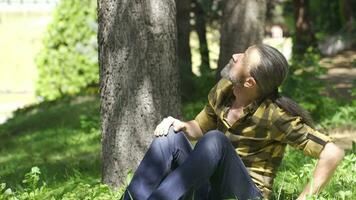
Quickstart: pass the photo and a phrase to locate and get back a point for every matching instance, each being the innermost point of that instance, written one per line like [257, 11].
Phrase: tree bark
[200, 27]
[304, 36]
[347, 14]
[242, 26]
[138, 79]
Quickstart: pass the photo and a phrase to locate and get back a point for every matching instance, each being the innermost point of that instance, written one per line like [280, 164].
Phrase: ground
[339, 80]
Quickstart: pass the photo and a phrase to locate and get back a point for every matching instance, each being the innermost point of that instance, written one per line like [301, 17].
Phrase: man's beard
[225, 73]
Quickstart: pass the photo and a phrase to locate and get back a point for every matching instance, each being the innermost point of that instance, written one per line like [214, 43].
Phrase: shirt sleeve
[206, 118]
[296, 133]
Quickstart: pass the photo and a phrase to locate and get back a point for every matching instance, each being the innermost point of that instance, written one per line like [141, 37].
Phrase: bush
[68, 60]
[303, 86]
[296, 169]
[344, 116]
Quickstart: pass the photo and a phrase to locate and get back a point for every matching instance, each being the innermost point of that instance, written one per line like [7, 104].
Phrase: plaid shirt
[261, 134]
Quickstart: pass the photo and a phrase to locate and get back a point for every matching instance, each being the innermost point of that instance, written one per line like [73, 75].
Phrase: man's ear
[250, 82]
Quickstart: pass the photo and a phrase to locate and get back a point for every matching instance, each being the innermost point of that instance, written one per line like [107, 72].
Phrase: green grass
[62, 138]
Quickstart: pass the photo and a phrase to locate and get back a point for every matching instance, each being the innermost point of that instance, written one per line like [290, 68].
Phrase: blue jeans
[171, 169]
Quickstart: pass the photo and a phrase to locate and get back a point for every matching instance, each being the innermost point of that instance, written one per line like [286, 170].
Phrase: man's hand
[163, 127]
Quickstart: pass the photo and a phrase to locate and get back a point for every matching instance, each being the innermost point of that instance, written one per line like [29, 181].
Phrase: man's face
[237, 70]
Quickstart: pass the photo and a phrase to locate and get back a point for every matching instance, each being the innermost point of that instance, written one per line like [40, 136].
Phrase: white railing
[27, 5]
[9, 2]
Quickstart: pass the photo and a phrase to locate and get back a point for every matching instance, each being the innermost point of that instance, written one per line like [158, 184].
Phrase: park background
[50, 134]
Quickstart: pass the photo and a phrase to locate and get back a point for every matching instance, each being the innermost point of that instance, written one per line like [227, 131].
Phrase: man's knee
[215, 135]
[171, 136]
[214, 139]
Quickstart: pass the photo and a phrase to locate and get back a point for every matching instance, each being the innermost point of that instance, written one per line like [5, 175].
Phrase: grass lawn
[62, 139]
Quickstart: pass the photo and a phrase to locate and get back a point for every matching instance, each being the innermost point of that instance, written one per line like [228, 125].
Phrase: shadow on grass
[62, 138]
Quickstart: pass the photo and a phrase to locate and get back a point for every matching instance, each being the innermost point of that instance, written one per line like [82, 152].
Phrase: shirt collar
[252, 107]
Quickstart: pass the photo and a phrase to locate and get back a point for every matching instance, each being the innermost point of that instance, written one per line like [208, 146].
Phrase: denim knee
[171, 136]
[214, 141]
[216, 136]
[172, 139]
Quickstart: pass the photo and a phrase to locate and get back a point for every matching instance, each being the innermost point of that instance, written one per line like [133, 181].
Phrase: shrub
[68, 60]
[296, 169]
[303, 86]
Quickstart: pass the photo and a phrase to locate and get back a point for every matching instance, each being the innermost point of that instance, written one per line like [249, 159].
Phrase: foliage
[58, 137]
[76, 188]
[303, 86]
[212, 10]
[68, 61]
[344, 115]
[328, 21]
[62, 139]
[296, 169]
[203, 84]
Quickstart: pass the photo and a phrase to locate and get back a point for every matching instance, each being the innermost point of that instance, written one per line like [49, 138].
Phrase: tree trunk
[138, 79]
[200, 27]
[347, 14]
[242, 26]
[304, 36]
[184, 53]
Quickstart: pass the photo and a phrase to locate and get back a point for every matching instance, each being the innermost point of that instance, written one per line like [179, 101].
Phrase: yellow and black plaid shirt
[260, 135]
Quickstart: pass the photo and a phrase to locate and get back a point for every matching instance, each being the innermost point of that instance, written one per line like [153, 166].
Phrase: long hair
[269, 74]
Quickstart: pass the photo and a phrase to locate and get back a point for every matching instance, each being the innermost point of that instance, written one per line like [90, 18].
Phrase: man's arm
[329, 159]
[192, 130]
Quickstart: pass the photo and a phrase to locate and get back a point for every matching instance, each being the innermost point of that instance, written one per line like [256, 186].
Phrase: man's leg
[231, 179]
[163, 155]
[213, 158]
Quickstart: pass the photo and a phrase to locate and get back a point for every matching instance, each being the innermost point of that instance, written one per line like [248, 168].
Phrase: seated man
[242, 133]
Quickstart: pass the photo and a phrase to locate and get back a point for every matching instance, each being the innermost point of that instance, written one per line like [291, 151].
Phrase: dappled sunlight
[68, 125]
[72, 142]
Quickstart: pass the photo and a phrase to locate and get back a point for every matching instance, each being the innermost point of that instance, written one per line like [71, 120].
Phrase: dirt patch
[339, 80]
[343, 136]
[341, 75]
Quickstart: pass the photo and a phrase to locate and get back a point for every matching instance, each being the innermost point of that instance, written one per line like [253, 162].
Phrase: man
[242, 133]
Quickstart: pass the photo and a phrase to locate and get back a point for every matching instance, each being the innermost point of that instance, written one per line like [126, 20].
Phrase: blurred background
[38, 39]
[22, 27]
[49, 75]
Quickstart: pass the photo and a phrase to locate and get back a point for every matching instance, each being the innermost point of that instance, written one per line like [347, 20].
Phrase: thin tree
[200, 27]
[304, 35]
[347, 13]
[138, 79]
[242, 25]
[184, 53]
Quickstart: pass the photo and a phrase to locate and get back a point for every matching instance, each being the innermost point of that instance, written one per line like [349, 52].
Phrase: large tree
[242, 25]
[138, 79]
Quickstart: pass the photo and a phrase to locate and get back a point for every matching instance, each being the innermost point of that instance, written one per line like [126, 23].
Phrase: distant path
[341, 74]
[339, 80]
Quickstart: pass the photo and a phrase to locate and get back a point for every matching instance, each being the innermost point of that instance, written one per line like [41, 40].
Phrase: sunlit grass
[62, 139]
